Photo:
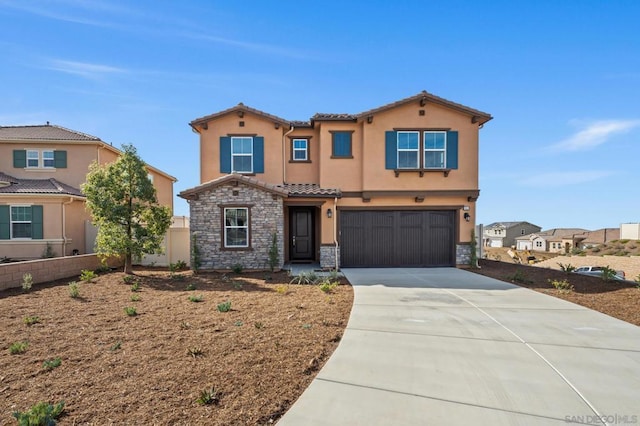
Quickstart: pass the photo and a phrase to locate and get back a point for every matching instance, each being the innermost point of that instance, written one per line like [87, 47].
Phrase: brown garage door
[397, 238]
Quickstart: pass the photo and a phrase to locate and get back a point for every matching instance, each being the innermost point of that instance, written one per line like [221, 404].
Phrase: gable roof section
[46, 132]
[600, 236]
[508, 225]
[239, 108]
[192, 193]
[310, 190]
[12, 185]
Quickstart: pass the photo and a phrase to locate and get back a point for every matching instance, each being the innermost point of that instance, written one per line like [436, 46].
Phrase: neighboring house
[630, 231]
[41, 170]
[557, 240]
[596, 238]
[503, 234]
[393, 186]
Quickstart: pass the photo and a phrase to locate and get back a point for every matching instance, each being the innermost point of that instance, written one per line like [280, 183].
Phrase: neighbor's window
[20, 221]
[300, 150]
[236, 227]
[341, 145]
[435, 148]
[408, 148]
[538, 243]
[48, 159]
[242, 154]
[33, 158]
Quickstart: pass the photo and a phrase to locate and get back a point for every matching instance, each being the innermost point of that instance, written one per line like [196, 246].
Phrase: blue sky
[561, 78]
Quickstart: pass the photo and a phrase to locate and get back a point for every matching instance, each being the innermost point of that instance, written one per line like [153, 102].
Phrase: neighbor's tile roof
[36, 186]
[45, 132]
[310, 190]
[319, 116]
[601, 236]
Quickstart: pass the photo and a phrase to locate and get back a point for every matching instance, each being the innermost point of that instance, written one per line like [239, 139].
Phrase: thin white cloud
[555, 179]
[256, 47]
[84, 69]
[594, 134]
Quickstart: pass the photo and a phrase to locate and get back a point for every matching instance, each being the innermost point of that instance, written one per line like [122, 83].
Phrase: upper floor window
[242, 154]
[300, 149]
[36, 159]
[435, 149]
[236, 227]
[48, 159]
[408, 150]
[341, 144]
[33, 158]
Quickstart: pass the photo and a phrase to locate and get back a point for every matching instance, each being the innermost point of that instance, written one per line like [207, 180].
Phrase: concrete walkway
[446, 346]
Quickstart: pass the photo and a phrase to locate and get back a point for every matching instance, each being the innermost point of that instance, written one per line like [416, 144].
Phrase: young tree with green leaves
[124, 206]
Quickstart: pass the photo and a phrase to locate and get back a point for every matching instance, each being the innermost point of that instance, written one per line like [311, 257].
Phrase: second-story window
[435, 149]
[300, 150]
[242, 154]
[48, 159]
[408, 148]
[341, 144]
[33, 158]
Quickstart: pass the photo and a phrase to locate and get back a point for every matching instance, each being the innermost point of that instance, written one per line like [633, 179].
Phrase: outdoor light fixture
[467, 216]
[329, 213]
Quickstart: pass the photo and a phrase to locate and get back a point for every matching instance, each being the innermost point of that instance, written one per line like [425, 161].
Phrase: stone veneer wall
[463, 254]
[328, 256]
[266, 215]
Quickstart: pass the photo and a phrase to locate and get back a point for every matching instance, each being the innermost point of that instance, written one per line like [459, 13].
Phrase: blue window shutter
[258, 154]
[5, 223]
[36, 222]
[341, 144]
[452, 150]
[391, 150]
[60, 159]
[19, 158]
[225, 154]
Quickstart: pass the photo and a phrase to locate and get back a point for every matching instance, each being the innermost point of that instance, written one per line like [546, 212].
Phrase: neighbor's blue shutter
[452, 150]
[19, 158]
[36, 222]
[391, 150]
[225, 154]
[5, 223]
[258, 154]
[60, 159]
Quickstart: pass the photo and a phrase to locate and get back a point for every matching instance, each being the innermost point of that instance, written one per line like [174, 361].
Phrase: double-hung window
[408, 150]
[236, 227]
[21, 222]
[435, 148]
[48, 159]
[33, 158]
[242, 154]
[300, 149]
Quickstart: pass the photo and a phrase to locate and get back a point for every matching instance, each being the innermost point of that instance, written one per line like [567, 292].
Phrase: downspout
[284, 155]
[64, 226]
[335, 230]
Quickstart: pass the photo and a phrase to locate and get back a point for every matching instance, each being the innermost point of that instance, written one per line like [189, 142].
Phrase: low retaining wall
[45, 270]
[629, 264]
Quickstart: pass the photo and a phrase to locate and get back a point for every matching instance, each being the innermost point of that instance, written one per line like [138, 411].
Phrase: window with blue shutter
[241, 154]
[439, 150]
[60, 159]
[5, 223]
[24, 222]
[341, 144]
[452, 150]
[19, 158]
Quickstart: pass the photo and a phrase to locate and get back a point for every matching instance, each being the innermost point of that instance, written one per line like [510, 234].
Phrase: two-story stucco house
[393, 186]
[503, 234]
[41, 170]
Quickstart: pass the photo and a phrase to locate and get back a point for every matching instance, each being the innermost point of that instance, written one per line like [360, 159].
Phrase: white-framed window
[408, 149]
[538, 244]
[236, 227]
[33, 158]
[48, 159]
[21, 222]
[150, 177]
[242, 154]
[300, 150]
[435, 150]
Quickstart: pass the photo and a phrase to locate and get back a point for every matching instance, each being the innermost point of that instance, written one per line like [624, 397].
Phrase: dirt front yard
[617, 299]
[151, 367]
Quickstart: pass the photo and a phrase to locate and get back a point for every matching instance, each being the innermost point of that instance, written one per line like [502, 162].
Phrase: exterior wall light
[329, 213]
[467, 216]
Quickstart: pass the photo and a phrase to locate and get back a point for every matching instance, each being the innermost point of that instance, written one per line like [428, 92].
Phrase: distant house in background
[41, 206]
[597, 238]
[630, 231]
[503, 234]
[557, 240]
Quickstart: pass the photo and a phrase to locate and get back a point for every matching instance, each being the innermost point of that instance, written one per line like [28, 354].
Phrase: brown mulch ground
[117, 369]
[617, 299]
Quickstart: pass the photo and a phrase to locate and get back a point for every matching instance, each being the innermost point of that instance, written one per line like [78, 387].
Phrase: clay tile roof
[333, 117]
[239, 108]
[298, 123]
[309, 190]
[46, 132]
[35, 186]
[247, 180]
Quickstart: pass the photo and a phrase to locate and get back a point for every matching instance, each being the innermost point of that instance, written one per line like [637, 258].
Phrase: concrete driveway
[446, 346]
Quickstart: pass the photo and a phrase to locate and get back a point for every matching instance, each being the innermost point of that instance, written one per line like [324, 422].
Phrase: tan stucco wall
[298, 172]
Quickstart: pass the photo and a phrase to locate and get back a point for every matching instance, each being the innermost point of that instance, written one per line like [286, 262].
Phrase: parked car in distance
[596, 271]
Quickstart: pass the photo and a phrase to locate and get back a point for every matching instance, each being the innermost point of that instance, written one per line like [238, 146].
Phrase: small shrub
[41, 414]
[313, 277]
[31, 320]
[562, 285]
[595, 249]
[306, 326]
[181, 264]
[87, 276]
[131, 311]
[103, 268]
[282, 289]
[520, 277]
[624, 241]
[334, 275]
[48, 252]
[185, 325]
[237, 285]
[176, 277]
[50, 364]
[27, 282]
[117, 345]
[608, 274]
[74, 290]
[237, 268]
[208, 396]
[568, 268]
[18, 348]
[328, 286]
[238, 323]
[196, 299]
[258, 325]
[135, 298]
[135, 286]
[195, 352]
[224, 306]
[301, 279]
[191, 287]
[128, 279]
